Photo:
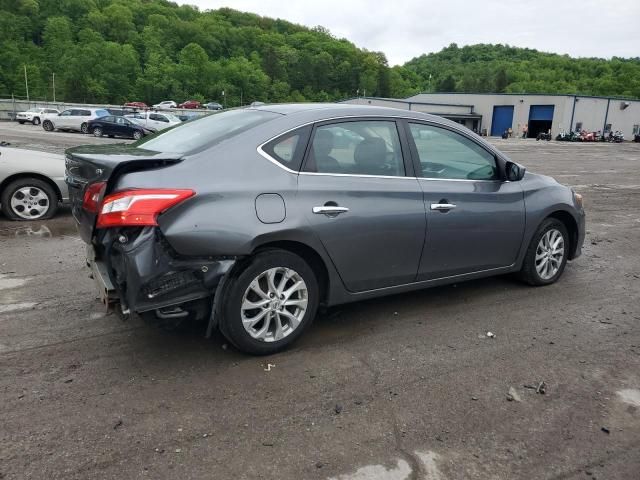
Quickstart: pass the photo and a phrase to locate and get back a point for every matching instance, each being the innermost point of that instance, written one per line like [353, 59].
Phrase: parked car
[73, 119]
[190, 104]
[113, 126]
[136, 105]
[154, 121]
[35, 115]
[31, 183]
[255, 214]
[167, 104]
[212, 106]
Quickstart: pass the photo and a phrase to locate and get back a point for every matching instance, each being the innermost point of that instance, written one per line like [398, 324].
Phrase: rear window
[205, 132]
[99, 113]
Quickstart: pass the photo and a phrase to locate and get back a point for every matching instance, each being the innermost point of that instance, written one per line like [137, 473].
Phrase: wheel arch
[309, 255]
[25, 175]
[572, 228]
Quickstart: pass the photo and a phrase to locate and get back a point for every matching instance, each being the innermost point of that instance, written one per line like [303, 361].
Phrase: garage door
[541, 112]
[502, 119]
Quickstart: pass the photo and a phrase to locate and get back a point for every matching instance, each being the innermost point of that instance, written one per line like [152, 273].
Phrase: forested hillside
[150, 50]
[501, 68]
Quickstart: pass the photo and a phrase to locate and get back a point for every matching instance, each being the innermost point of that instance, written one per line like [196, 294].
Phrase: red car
[190, 104]
[136, 104]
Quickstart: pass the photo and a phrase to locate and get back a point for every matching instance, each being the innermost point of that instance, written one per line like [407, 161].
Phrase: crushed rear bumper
[139, 269]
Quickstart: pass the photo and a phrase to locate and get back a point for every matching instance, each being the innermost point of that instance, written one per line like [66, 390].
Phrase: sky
[404, 29]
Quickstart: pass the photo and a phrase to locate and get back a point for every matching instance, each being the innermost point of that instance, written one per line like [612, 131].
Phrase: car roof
[327, 110]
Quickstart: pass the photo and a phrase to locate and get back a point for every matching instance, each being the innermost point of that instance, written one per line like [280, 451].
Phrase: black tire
[137, 135]
[10, 189]
[36, 121]
[231, 321]
[84, 128]
[528, 273]
[47, 125]
[97, 132]
[20, 122]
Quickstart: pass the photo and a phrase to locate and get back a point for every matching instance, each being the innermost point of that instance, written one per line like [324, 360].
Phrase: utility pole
[240, 97]
[54, 87]
[26, 83]
[224, 100]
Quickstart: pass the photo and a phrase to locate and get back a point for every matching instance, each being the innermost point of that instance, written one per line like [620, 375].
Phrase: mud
[422, 390]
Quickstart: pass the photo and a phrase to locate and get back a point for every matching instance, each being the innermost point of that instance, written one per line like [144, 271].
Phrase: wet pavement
[404, 387]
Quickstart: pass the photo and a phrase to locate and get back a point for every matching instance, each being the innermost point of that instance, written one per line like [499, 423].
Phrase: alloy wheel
[549, 254]
[30, 202]
[97, 132]
[84, 128]
[274, 304]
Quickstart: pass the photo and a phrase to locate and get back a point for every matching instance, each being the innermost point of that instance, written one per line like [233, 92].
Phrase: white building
[493, 113]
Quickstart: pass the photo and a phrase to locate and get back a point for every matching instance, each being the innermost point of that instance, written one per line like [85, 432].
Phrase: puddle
[630, 396]
[378, 472]
[16, 307]
[428, 460]
[7, 282]
[402, 470]
[38, 230]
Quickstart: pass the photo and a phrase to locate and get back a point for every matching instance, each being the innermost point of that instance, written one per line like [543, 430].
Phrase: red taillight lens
[138, 207]
[92, 195]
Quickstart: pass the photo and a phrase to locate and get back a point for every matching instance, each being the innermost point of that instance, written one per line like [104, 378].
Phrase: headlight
[578, 199]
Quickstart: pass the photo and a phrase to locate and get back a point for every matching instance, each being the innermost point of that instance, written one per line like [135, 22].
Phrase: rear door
[475, 220]
[360, 196]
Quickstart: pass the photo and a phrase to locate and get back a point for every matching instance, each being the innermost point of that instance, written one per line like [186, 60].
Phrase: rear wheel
[47, 125]
[547, 254]
[29, 199]
[84, 128]
[137, 135]
[97, 132]
[36, 121]
[270, 303]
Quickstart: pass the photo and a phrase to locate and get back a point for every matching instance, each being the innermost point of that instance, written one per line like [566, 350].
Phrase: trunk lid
[87, 165]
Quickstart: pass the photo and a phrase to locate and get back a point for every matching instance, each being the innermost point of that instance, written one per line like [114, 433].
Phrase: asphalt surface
[404, 387]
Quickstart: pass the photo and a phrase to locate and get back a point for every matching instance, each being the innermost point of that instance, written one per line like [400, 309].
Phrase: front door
[368, 213]
[475, 221]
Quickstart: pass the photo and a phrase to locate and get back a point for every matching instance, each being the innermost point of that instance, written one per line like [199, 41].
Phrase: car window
[99, 113]
[67, 113]
[108, 119]
[51, 111]
[357, 148]
[122, 121]
[288, 149]
[206, 131]
[158, 118]
[449, 155]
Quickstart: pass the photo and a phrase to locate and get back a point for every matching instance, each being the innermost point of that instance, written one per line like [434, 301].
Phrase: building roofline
[571, 95]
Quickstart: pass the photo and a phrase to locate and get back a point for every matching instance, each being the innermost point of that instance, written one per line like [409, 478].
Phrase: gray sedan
[249, 220]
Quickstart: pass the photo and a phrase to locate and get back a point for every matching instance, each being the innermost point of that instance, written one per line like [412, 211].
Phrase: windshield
[172, 118]
[205, 132]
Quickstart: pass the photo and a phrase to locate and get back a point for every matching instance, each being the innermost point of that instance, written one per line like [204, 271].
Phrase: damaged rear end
[132, 262]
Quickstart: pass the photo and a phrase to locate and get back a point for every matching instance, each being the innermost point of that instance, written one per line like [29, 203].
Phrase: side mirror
[514, 171]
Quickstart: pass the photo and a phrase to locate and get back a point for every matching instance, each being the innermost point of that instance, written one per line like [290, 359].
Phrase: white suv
[167, 104]
[74, 119]
[35, 115]
[154, 120]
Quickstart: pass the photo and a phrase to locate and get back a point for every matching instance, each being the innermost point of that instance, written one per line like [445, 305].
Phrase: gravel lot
[402, 387]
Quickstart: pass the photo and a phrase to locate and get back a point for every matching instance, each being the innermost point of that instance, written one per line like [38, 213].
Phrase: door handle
[329, 210]
[443, 207]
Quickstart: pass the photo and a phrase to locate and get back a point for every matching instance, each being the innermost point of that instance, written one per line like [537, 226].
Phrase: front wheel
[29, 199]
[97, 132]
[547, 254]
[47, 125]
[84, 128]
[270, 303]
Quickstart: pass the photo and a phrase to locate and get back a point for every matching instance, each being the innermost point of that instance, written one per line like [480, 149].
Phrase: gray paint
[388, 242]
[270, 208]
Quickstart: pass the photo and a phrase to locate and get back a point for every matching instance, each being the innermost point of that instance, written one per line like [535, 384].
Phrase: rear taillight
[92, 195]
[138, 207]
